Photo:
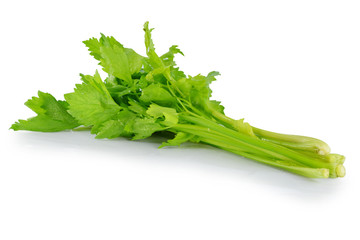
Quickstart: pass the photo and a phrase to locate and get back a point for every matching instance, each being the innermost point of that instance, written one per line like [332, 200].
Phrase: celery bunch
[147, 94]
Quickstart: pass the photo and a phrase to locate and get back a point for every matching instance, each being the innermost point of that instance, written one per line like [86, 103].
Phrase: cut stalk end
[340, 170]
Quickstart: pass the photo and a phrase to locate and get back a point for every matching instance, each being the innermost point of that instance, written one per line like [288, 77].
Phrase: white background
[287, 66]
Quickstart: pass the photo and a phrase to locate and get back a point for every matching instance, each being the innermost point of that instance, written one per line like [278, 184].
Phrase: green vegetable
[144, 95]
